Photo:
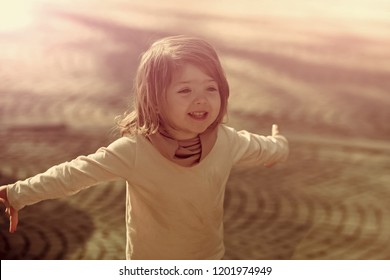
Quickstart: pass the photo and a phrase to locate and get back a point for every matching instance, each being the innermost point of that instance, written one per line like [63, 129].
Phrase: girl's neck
[174, 134]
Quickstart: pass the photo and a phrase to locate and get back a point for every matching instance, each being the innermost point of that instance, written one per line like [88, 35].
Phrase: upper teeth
[198, 114]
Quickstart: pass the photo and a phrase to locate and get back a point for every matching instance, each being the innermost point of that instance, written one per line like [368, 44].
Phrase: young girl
[175, 155]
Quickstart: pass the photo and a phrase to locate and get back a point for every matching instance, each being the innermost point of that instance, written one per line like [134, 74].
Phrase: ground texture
[321, 72]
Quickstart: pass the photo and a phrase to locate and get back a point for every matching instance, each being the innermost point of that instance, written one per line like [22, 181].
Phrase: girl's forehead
[189, 70]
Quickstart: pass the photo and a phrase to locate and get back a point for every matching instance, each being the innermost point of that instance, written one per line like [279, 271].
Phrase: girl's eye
[184, 90]
[212, 89]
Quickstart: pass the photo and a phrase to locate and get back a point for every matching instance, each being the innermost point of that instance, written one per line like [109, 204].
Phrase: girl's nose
[200, 99]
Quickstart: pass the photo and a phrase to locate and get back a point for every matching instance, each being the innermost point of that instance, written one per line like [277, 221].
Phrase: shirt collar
[184, 152]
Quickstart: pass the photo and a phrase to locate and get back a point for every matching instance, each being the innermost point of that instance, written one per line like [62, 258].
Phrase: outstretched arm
[249, 149]
[12, 213]
[68, 178]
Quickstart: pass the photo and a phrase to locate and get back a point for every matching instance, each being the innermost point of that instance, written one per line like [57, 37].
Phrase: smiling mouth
[200, 115]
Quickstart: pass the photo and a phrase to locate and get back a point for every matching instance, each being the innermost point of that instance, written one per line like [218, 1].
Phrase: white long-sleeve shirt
[172, 212]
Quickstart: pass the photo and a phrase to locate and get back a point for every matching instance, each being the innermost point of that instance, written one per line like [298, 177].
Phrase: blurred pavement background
[321, 70]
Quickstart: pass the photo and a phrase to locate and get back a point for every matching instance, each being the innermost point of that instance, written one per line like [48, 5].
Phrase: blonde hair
[154, 75]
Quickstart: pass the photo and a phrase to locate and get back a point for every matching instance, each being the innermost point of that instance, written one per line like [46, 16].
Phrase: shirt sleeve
[248, 149]
[107, 164]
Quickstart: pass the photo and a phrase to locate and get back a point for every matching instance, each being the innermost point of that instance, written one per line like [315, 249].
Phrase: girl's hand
[12, 213]
[275, 132]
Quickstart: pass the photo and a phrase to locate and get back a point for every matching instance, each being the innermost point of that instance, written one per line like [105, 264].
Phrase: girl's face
[193, 103]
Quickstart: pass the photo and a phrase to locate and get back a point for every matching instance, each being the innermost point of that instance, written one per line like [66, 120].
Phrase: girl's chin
[191, 131]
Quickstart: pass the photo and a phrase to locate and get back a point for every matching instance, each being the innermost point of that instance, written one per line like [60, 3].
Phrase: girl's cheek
[218, 99]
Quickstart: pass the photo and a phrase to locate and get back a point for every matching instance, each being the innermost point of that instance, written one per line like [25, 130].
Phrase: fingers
[9, 210]
[13, 220]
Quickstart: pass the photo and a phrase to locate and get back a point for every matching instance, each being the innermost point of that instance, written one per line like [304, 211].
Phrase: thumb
[275, 130]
